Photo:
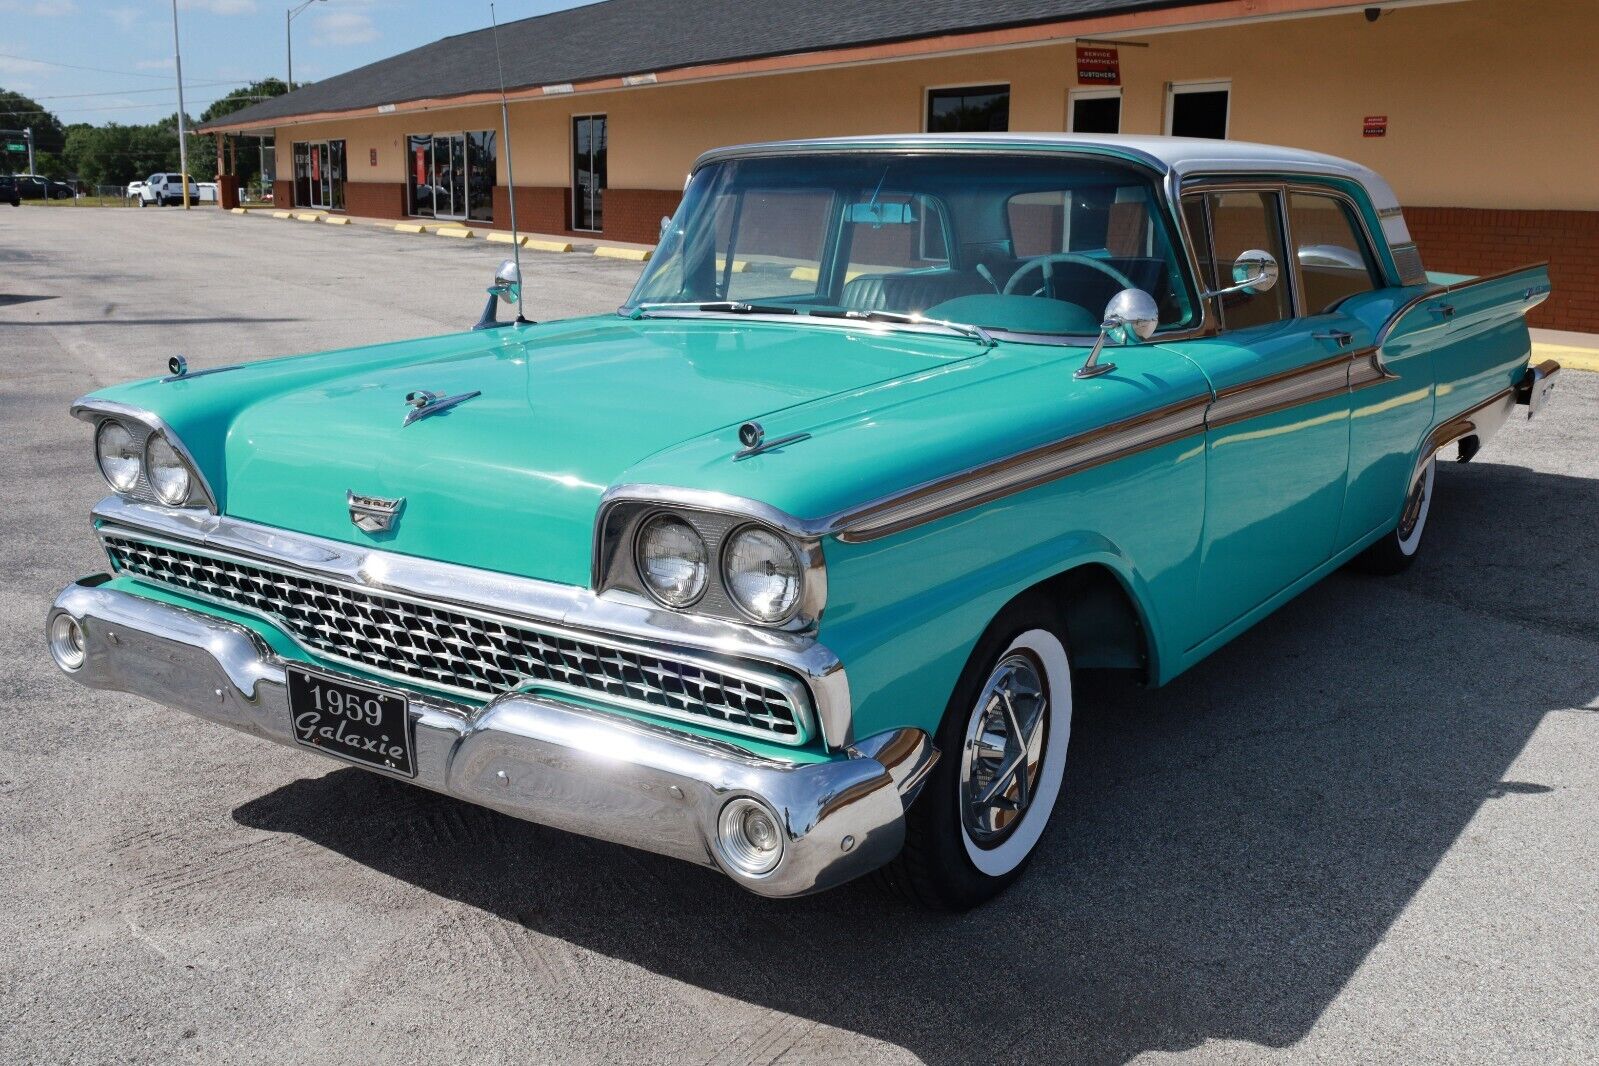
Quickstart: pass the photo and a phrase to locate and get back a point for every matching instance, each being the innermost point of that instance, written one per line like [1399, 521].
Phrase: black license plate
[357, 722]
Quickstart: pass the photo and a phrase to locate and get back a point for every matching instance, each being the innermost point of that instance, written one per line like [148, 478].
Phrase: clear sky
[226, 43]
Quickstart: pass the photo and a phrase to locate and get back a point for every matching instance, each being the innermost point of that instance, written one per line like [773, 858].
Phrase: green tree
[20, 112]
[249, 159]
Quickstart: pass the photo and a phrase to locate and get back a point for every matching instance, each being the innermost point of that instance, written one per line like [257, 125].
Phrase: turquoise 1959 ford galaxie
[785, 568]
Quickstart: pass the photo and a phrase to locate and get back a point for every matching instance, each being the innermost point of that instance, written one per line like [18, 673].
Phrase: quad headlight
[721, 557]
[672, 560]
[761, 573]
[118, 455]
[166, 471]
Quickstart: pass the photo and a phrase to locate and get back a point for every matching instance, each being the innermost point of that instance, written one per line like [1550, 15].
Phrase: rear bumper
[533, 757]
[1537, 384]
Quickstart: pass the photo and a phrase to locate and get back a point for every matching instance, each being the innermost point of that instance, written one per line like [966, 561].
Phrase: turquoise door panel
[1274, 480]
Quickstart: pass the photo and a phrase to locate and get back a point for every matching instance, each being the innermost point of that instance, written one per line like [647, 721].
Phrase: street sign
[16, 146]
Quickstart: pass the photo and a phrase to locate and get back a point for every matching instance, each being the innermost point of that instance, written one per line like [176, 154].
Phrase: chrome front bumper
[533, 757]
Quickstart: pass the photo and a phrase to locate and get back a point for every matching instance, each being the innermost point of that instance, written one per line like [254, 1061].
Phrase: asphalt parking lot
[1366, 831]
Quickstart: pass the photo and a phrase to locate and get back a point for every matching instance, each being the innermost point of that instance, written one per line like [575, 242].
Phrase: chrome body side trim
[1478, 423]
[1302, 385]
[93, 411]
[991, 481]
[523, 599]
[535, 757]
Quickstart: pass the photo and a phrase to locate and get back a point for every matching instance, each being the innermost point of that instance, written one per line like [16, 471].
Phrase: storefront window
[319, 174]
[451, 175]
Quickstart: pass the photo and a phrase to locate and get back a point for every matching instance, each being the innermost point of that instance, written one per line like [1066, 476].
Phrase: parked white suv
[166, 189]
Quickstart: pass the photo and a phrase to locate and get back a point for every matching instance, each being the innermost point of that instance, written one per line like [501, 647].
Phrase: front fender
[905, 611]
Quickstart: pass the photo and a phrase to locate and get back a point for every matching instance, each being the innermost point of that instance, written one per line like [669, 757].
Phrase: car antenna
[510, 178]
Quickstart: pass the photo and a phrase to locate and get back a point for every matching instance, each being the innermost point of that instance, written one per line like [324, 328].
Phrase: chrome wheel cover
[1004, 748]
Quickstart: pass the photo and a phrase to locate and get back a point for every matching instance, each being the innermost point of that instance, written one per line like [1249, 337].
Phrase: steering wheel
[1046, 263]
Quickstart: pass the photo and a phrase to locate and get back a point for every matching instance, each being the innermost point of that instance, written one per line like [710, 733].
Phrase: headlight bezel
[180, 499]
[716, 517]
[143, 427]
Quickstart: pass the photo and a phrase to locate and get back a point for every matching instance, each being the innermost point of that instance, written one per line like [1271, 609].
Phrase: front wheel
[1398, 548]
[1003, 743]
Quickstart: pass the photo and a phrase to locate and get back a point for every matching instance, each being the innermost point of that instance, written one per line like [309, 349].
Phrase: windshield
[1032, 244]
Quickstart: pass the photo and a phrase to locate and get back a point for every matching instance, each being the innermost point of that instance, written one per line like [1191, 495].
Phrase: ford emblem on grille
[374, 514]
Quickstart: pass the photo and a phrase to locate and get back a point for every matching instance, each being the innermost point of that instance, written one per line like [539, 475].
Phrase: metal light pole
[288, 35]
[28, 134]
[183, 135]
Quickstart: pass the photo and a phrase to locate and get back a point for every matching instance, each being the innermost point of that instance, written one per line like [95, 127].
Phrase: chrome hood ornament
[373, 514]
[431, 403]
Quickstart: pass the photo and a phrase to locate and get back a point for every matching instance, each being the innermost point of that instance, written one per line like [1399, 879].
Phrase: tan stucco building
[1480, 113]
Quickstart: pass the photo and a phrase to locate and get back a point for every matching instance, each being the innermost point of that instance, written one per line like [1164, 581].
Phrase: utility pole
[288, 35]
[27, 134]
[183, 135]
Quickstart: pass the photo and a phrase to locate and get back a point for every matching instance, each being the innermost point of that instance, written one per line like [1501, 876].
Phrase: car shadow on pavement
[1228, 851]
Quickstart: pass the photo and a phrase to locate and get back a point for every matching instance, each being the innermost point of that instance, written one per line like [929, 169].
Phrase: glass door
[588, 172]
[321, 176]
[449, 175]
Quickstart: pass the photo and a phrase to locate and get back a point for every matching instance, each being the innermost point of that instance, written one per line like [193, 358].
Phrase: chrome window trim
[95, 411]
[523, 599]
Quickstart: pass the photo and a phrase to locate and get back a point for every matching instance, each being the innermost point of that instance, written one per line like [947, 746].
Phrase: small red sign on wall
[1098, 65]
[1375, 126]
[372, 157]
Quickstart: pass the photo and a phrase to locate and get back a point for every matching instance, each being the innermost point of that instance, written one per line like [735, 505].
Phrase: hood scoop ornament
[753, 436]
[424, 403]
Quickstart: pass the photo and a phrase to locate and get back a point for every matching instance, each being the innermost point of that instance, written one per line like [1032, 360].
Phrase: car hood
[511, 479]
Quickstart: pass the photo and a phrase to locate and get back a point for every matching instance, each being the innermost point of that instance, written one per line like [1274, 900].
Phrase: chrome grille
[445, 647]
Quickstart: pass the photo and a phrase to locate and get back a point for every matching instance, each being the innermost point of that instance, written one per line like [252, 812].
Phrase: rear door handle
[1447, 310]
[1343, 338]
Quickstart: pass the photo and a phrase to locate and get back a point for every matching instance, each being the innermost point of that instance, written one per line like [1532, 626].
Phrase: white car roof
[1179, 155]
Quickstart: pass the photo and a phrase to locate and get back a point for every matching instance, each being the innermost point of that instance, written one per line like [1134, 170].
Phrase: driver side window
[1240, 221]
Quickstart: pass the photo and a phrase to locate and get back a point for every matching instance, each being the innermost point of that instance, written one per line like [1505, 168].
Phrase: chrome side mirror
[507, 281]
[1130, 318]
[1254, 272]
[507, 287]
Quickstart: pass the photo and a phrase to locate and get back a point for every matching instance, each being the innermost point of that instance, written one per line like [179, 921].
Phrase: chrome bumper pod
[527, 755]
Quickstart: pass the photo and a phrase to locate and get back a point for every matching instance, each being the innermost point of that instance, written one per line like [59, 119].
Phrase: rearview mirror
[881, 214]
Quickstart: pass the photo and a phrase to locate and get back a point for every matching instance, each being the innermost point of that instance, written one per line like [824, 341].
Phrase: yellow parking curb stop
[636, 255]
[454, 231]
[282, 214]
[337, 220]
[410, 227]
[546, 246]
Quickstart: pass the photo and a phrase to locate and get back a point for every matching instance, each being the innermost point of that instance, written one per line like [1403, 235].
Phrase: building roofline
[1155, 16]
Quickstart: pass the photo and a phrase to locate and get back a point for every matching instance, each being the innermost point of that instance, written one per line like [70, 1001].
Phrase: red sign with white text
[1375, 126]
[1098, 66]
[421, 167]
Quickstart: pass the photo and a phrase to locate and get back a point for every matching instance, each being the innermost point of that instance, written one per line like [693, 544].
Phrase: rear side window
[1335, 262]
[1242, 221]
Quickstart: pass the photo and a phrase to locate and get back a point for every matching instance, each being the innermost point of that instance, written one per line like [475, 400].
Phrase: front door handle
[1343, 338]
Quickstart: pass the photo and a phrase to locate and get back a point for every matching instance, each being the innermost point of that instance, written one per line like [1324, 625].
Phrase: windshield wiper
[965, 329]
[726, 307]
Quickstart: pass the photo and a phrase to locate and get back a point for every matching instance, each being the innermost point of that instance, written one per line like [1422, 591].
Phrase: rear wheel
[1003, 748]
[1395, 552]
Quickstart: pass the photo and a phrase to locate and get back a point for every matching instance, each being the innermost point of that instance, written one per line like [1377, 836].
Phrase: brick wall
[635, 214]
[375, 199]
[1460, 240]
